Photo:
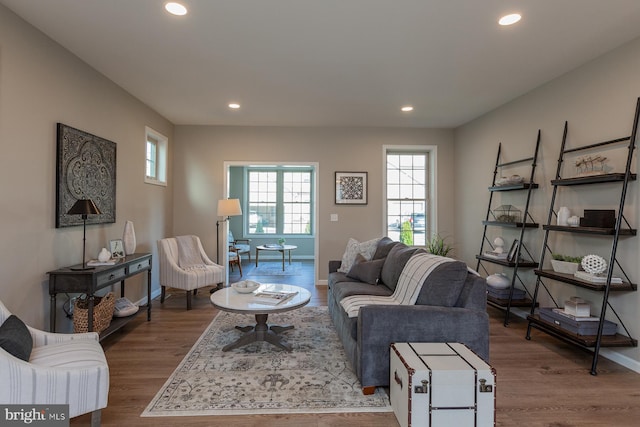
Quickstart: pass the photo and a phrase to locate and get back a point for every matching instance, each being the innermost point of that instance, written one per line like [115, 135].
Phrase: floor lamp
[226, 208]
[84, 207]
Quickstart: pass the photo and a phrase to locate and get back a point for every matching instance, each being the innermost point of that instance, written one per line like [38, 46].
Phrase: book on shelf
[561, 312]
[587, 277]
[95, 262]
[273, 297]
[495, 255]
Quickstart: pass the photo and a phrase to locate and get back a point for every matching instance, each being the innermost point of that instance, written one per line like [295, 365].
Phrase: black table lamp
[84, 207]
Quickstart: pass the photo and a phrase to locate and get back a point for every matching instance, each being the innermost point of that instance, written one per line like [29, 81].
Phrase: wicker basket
[102, 313]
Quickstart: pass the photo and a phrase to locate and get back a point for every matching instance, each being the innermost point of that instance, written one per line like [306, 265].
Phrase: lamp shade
[84, 207]
[229, 207]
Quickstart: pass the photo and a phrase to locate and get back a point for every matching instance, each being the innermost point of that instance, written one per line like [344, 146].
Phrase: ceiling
[332, 62]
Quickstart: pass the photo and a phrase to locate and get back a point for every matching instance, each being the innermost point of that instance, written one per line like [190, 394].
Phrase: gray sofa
[451, 307]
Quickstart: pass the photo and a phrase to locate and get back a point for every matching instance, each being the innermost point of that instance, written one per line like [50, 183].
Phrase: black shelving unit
[622, 228]
[523, 258]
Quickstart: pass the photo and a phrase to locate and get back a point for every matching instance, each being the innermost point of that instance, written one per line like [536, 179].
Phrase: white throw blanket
[189, 257]
[410, 282]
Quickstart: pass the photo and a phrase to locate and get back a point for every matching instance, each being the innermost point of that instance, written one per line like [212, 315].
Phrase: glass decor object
[507, 213]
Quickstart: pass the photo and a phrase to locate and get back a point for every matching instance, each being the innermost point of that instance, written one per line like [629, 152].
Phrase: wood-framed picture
[116, 248]
[351, 188]
[511, 256]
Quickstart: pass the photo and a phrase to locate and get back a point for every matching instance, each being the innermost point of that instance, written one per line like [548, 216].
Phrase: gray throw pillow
[15, 338]
[384, 246]
[395, 262]
[443, 285]
[366, 271]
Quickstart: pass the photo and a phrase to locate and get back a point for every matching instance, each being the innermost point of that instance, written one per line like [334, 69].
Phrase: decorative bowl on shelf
[499, 281]
[245, 286]
[515, 179]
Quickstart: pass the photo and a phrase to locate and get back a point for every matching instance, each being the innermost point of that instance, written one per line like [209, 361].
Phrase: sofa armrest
[420, 323]
[334, 265]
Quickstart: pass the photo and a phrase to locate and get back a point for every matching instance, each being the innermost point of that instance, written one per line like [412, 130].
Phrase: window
[409, 211]
[155, 158]
[279, 200]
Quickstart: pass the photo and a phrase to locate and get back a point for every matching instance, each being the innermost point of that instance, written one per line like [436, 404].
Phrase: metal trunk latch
[424, 388]
[484, 388]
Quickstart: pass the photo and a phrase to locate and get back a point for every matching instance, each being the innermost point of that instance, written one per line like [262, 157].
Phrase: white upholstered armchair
[59, 368]
[185, 265]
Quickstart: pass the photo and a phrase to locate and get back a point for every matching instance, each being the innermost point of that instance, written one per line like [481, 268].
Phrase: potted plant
[437, 246]
[565, 264]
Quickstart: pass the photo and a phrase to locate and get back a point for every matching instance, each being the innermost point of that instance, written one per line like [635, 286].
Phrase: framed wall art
[351, 188]
[85, 169]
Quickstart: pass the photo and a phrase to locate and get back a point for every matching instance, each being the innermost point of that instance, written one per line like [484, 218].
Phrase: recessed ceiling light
[234, 106]
[510, 19]
[175, 8]
[407, 108]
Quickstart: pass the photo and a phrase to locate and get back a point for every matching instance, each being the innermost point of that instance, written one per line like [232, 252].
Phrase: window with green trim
[279, 200]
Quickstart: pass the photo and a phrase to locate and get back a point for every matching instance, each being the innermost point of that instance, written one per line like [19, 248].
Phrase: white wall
[42, 84]
[598, 101]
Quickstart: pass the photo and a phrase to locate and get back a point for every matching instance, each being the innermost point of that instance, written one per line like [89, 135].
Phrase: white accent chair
[240, 248]
[62, 369]
[175, 274]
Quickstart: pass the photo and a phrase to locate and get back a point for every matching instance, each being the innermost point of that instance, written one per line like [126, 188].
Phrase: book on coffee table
[272, 297]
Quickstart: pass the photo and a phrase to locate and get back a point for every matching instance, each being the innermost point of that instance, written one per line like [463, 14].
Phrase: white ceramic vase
[563, 216]
[104, 255]
[129, 238]
[499, 281]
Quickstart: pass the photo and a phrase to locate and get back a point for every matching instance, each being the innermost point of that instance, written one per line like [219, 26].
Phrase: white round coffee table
[228, 299]
[280, 248]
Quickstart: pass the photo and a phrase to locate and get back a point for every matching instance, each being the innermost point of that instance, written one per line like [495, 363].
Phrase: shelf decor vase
[129, 238]
[563, 216]
[564, 266]
[499, 281]
[104, 255]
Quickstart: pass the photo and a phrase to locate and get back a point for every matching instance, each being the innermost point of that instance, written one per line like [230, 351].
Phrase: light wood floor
[542, 382]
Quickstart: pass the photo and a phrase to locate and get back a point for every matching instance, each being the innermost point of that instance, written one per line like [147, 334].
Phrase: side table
[90, 281]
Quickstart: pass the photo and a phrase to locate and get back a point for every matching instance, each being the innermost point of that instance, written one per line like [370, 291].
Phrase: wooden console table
[90, 281]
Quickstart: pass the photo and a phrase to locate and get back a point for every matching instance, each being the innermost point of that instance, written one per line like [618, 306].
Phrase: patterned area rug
[261, 379]
[275, 269]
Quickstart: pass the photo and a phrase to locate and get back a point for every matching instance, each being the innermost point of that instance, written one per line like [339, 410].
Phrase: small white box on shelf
[578, 307]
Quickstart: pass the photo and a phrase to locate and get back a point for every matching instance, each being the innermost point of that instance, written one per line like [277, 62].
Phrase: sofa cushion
[347, 289]
[15, 338]
[366, 271]
[395, 262]
[337, 277]
[367, 249]
[443, 286]
[384, 246]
